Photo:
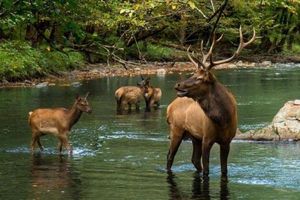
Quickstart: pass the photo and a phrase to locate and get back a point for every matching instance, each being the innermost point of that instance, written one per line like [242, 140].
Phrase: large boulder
[285, 125]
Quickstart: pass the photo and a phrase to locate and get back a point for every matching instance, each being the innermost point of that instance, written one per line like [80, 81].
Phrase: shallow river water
[124, 156]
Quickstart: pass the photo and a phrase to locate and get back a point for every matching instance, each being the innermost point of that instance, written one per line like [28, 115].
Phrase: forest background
[42, 37]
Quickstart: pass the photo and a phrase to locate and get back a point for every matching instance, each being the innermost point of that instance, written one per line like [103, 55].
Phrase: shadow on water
[200, 188]
[53, 177]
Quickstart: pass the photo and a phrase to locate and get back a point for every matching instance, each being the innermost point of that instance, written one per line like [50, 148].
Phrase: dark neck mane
[217, 104]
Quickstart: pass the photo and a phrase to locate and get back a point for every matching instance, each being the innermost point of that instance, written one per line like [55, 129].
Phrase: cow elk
[56, 121]
[151, 94]
[204, 111]
[126, 96]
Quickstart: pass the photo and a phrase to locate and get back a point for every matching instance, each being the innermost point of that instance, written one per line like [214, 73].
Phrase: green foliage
[19, 60]
[294, 51]
[155, 52]
[125, 29]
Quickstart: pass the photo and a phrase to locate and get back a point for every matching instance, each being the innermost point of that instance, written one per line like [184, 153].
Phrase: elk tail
[29, 116]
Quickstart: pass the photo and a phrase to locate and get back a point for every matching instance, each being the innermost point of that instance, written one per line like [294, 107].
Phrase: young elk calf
[151, 95]
[205, 111]
[56, 121]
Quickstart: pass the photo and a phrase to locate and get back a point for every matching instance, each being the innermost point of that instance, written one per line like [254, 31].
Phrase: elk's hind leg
[197, 152]
[33, 141]
[137, 106]
[36, 139]
[119, 106]
[157, 104]
[176, 136]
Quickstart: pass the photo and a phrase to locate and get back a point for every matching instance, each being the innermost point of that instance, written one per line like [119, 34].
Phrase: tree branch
[143, 35]
[220, 9]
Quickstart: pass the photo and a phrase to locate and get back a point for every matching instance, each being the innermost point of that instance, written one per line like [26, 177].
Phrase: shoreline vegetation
[76, 70]
[44, 41]
[47, 41]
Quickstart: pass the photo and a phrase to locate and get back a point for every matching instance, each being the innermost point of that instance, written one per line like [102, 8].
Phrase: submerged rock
[284, 126]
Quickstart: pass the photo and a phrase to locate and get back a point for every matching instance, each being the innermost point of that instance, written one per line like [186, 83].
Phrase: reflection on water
[53, 178]
[200, 188]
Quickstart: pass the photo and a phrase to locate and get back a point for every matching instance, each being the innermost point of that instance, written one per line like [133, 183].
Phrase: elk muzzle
[88, 110]
[181, 92]
[187, 87]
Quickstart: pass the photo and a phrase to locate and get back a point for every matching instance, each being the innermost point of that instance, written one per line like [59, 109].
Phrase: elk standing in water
[56, 121]
[204, 111]
[129, 95]
[151, 94]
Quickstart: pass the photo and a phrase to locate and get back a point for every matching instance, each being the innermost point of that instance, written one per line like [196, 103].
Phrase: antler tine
[209, 54]
[212, 46]
[190, 57]
[237, 52]
[242, 43]
[201, 48]
[192, 60]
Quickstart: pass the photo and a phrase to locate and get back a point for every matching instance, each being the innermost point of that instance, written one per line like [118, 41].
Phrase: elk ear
[147, 81]
[77, 97]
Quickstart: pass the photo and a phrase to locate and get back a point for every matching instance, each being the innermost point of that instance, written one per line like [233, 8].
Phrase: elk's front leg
[176, 138]
[63, 138]
[224, 152]
[206, 147]
[197, 152]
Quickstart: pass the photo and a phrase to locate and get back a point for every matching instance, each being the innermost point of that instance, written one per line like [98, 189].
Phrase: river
[124, 156]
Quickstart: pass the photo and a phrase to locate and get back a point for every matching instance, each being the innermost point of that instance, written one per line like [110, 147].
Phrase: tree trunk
[266, 43]
[31, 35]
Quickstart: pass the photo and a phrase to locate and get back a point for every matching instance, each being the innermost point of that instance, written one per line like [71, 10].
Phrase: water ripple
[77, 152]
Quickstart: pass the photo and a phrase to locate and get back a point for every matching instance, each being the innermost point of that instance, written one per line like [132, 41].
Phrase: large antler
[202, 63]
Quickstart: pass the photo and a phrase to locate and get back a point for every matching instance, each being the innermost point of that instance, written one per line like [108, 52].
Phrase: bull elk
[205, 111]
[56, 121]
[151, 94]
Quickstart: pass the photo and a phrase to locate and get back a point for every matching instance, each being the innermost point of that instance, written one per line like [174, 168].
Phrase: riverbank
[94, 71]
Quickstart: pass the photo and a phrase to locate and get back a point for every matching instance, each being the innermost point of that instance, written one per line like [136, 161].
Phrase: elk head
[198, 85]
[82, 104]
[145, 82]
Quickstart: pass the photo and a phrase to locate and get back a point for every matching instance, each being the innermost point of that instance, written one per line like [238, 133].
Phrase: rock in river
[285, 125]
